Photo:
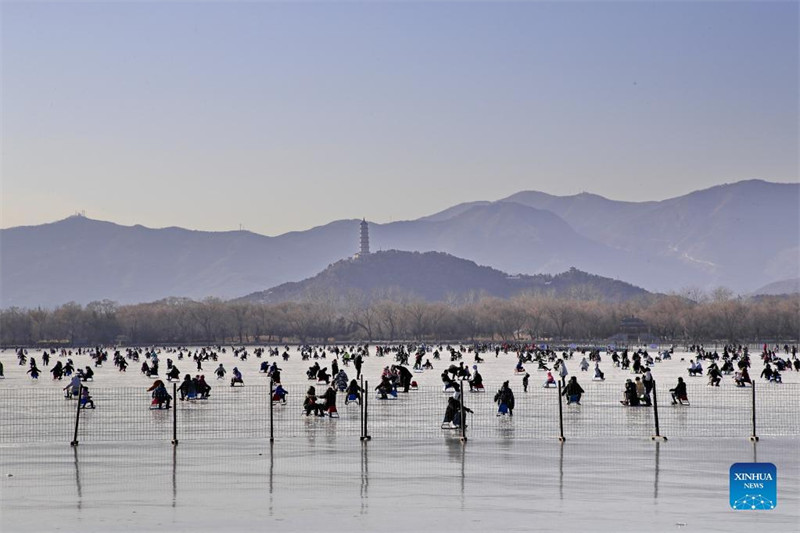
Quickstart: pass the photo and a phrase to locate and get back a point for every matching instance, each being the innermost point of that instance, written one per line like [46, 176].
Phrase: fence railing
[125, 414]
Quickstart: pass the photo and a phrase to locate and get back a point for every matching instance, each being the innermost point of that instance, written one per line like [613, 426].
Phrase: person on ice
[33, 370]
[525, 379]
[73, 388]
[563, 372]
[161, 397]
[188, 388]
[598, 374]
[452, 415]
[353, 393]
[86, 400]
[279, 394]
[237, 377]
[220, 371]
[742, 378]
[310, 403]
[505, 400]
[679, 393]
[573, 391]
[329, 401]
[549, 381]
[629, 395]
[341, 380]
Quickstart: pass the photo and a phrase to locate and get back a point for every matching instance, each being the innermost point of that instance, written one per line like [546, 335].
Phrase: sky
[282, 116]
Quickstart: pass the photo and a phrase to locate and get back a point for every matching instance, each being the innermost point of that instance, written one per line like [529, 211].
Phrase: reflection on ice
[345, 485]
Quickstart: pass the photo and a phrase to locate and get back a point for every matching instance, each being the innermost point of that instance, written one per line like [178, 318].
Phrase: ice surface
[321, 477]
[334, 485]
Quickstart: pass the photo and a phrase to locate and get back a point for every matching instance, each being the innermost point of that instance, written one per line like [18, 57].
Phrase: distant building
[633, 329]
[364, 238]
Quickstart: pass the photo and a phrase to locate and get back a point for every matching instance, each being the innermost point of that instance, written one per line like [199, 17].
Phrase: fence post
[365, 437]
[754, 436]
[271, 416]
[174, 414]
[463, 414]
[361, 407]
[657, 436]
[77, 417]
[560, 416]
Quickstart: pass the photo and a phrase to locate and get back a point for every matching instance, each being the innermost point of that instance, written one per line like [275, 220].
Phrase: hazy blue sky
[283, 116]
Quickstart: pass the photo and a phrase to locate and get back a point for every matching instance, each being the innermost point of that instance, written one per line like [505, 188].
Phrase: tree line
[687, 318]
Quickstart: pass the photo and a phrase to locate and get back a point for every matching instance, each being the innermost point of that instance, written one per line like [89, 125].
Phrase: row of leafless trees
[669, 318]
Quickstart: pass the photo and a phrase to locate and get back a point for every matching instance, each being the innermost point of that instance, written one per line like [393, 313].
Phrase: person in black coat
[505, 400]
[573, 391]
[679, 392]
[404, 375]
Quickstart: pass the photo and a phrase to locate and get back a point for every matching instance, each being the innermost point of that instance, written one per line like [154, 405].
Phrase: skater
[220, 371]
[525, 381]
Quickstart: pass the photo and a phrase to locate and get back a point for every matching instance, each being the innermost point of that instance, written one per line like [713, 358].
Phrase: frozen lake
[333, 485]
[511, 474]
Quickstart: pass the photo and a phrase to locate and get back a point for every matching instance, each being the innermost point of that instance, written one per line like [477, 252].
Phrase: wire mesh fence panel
[229, 412]
[122, 414]
[126, 414]
[600, 414]
[723, 411]
[36, 416]
[777, 409]
[290, 419]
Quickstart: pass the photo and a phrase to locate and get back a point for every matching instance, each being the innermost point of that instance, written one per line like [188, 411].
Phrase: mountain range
[742, 235]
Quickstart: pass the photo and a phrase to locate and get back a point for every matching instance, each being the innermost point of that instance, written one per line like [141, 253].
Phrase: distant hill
[435, 276]
[786, 286]
[742, 235]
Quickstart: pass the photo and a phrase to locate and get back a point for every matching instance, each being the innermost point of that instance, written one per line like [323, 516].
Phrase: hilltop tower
[364, 238]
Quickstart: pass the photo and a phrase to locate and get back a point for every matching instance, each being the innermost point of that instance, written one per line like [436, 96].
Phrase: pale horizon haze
[284, 116]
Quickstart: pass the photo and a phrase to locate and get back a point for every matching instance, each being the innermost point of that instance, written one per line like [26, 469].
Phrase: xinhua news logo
[753, 486]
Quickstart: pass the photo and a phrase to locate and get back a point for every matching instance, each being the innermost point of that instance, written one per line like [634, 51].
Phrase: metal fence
[124, 414]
